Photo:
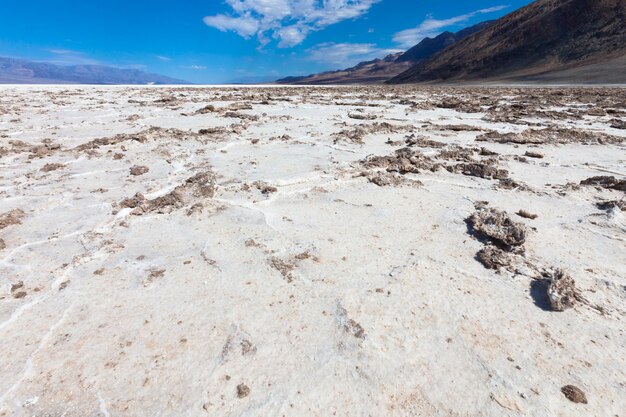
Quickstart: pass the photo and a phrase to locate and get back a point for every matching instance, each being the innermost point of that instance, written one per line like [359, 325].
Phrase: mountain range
[547, 41]
[19, 71]
[381, 70]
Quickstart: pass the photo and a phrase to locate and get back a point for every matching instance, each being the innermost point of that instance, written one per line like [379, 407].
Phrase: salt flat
[242, 251]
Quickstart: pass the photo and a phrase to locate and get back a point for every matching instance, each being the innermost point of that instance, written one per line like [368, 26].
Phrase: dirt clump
[423, 142]
[264, 187]
[243, 390]
[355, 329]
[206, 109]
[610, 205]
[618, 124]
[532, 154]
[494, 258]
[498, 227]
[137, 170]
[382, 178]
[551, 135]
[2, 244]
[361, 116]
[574, 394]
[604, 181]
[12, 217]
[562, 291]
[486, 170]
[201, 185]
[284, 267]
[52, 167]
[527, 215]
[17, 290]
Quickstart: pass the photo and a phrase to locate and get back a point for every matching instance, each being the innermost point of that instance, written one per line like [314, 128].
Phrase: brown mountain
[380, 70]
[546, 41]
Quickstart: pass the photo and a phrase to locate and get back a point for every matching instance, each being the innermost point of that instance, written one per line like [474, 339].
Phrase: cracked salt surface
[316, 292]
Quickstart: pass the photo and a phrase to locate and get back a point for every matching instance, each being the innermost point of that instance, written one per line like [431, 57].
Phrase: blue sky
[221, 41]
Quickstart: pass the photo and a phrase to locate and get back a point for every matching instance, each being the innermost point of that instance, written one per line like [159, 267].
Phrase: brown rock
[242, 390]
[574, 394]
[138, 170]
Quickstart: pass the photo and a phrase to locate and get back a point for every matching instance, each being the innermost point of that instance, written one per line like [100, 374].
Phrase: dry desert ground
[280, 251]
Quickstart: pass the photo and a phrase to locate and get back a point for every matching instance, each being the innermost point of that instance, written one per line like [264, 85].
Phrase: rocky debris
[138, 170]
[422, 142]
[404, 161]
[2, 244]
[494, 258]
[562, 291]
[357, 133]
[454, 159]
[487, 152]
[347, 324]
[608, 182]
[486, 170]
[153, 275]
[618, 123]
[355, 329]
[574, 394]
[551, 135]
[511, 184]
[144, 136]
[361, 116]
[532, 154]
[527, 215]
[17, 290]
[284, 267]
[242, 390]
[382, 178]
[52, 167]
[610, 205]
[167, 101]
[206, 109]
[264, 187]
[242, 116]
[459, 128]
[498, 227]
[46, 148]
[463, 106]
[12, 217]
[133, 202]
[200, 186]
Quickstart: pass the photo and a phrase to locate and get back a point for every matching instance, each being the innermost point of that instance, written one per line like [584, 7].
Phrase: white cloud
[196, 67]
[432, 27]
[346, 54]
[245, 26]
[163, 58]
[288, 21]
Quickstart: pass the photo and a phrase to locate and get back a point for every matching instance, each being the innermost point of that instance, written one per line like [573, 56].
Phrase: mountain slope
[18, 71]
[367, 72]
[537, 42]
[380, 70]
[430, 46]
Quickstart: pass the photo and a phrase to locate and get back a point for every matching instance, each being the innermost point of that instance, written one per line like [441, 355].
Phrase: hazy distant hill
[18, 71]
[546, 41]
[380, 70]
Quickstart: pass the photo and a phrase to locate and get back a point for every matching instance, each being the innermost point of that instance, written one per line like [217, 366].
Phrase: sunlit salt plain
[276, 251]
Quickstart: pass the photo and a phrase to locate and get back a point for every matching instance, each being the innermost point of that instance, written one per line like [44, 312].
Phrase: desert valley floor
[279, 251]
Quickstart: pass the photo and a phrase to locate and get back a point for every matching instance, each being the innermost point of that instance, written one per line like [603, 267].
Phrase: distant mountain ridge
[545, 41]
[430, 46]
[380, 70]
[20, 71]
